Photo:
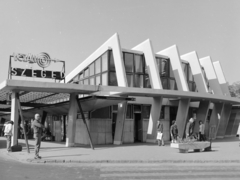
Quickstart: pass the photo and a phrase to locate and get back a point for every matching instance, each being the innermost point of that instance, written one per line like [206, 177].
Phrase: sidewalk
[223, 150]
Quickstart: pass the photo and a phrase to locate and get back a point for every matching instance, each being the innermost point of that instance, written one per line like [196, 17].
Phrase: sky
[71, 30]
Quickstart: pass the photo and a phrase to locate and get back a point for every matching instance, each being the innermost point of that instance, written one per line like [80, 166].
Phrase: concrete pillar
[14, 117]
[235, 125]
[182, 115]
[121, 114]
[72, 116]
[166, 124]
[215, 118]
[224, 120]
[154, 116]
[234, 115]
[202, 113]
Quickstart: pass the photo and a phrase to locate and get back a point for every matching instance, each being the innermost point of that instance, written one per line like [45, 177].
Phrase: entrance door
[138, 130]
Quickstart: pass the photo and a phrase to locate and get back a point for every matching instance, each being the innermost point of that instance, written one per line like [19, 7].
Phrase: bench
[196, 146]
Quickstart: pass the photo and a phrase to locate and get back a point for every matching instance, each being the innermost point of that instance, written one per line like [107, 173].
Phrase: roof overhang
[36, 86]
[144, 92]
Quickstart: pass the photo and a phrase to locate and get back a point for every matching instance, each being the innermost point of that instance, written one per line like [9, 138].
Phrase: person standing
[190, 126]
[201, 131]
[8, 134]
[37, 128]
[160, 133]
[174, 131]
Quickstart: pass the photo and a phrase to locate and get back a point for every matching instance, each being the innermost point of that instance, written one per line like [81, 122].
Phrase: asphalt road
[14, 170]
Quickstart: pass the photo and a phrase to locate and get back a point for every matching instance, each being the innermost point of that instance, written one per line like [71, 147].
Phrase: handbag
[159, 135]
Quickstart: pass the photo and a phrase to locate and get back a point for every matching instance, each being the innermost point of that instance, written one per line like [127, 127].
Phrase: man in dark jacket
[37, 129]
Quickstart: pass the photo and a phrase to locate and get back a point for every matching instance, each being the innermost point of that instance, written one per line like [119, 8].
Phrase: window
[104, 79]
[171, 72]
[164, 68]
[128, 61]
[138, 63]
[98, 80]
[130, 80]
[111, 62]
[101, 113]
[173, 84]
[129, 114]
[146, 111]
[91, 69]
[112, 79]
[86, 73]
[80, 75]
[164, 83]
[98, 66]
[85, 82]
[147, 83]
[92, 81]
[105, 61]
[138, 81]
[190, 75]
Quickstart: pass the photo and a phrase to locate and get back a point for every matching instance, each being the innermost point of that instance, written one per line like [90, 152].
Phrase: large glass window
[98, 66]
[105, 61]
[138, 63]
[128, 61]
[113, 79]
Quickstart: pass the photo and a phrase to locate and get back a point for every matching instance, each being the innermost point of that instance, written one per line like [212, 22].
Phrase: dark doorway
[138, 131]
[114, 119]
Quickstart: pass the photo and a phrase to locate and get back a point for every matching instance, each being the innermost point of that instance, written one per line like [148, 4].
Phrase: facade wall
[113, 66]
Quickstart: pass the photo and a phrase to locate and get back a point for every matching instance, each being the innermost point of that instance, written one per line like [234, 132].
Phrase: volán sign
[43, 61]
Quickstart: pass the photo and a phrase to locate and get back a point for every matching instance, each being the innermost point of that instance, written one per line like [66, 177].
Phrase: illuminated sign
[43, 60]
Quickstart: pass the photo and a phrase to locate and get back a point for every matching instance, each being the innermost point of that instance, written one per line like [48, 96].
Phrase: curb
[132, 161]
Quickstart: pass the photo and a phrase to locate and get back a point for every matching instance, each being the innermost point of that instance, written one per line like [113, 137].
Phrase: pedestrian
[38, 129]
[8, 134]
[190, 127]
[174, 131]
[160, 133]
[201, 131]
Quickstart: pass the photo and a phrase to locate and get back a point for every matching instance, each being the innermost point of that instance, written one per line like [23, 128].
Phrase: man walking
[37, 128]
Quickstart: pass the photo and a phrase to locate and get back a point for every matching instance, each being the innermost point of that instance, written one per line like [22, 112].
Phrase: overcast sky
[71, 30]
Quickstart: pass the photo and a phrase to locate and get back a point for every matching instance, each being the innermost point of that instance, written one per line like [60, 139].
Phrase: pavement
[225, 150]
